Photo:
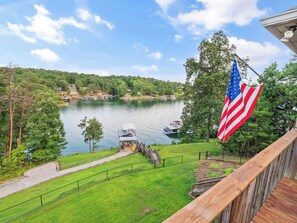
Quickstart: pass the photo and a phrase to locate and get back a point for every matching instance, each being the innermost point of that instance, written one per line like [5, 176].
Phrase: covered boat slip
[127, 137]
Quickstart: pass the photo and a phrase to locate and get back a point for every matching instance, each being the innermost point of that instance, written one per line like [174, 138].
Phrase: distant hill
[114, 85]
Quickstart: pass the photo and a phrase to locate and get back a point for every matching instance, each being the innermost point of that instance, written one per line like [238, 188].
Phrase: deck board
[281, 205]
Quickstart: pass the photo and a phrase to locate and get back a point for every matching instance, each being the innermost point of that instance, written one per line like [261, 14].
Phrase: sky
[149, 38]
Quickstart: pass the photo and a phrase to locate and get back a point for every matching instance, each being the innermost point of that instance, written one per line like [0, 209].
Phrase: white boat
[172, 128]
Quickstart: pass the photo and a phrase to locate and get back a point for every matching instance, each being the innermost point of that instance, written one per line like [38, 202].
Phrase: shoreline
[125, 98]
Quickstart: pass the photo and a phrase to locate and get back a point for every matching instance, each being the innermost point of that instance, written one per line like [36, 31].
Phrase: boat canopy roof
[129, 126]
[128, 139]
[171, 127]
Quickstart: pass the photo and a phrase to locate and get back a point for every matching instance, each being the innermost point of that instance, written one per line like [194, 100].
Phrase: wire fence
[15, 211]
[64, 166]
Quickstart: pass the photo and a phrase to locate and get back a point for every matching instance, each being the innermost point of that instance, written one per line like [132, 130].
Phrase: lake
[149, 116]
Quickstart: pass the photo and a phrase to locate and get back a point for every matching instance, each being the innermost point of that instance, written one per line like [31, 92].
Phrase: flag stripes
[238, 111]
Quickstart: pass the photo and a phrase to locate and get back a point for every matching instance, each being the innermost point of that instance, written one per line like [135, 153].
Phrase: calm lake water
[149, 116]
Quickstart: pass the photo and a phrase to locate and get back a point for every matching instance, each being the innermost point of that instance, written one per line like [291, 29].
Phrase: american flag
[239, 104]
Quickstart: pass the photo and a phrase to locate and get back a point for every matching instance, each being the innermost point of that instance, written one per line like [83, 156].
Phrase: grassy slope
[78, 159]
[148, 196]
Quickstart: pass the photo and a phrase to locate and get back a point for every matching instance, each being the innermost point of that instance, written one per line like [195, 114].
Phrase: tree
[267, 123]
[11, 97]
[45, 135]
[205, 85]
[92, 131]
[20, 156]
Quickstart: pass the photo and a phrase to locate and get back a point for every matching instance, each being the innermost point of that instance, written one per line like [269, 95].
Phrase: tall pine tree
[205, 87]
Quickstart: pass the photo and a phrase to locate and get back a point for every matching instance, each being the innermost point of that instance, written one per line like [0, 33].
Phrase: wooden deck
[239, 196]
[281, 205]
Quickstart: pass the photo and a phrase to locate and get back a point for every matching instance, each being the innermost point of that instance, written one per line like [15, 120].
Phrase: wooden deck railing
[238, 197]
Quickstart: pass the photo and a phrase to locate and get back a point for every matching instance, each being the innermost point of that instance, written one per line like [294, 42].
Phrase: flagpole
[283, 97]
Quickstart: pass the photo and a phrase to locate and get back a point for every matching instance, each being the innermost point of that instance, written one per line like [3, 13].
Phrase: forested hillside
[114, 85]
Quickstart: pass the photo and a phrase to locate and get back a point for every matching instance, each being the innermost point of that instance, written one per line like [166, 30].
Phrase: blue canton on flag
[233, 86]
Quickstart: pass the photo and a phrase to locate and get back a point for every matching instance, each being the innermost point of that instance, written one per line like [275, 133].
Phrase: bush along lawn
[140, 196]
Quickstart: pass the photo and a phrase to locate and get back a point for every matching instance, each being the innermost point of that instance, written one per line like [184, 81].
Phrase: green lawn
[143, 196]
[66, 162]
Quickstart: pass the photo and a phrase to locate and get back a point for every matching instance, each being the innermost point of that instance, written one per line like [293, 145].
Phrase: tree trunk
[21, 128]
[20, 136]
[5, 146]
[10, 125]
[90, 146]
[208, 128]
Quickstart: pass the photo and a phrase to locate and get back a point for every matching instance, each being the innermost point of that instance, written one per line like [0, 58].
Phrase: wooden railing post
[242, 205]
[291, 171]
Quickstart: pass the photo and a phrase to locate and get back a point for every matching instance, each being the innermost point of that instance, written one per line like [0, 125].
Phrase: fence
[237, 157]
[80, 162]
[65, 190]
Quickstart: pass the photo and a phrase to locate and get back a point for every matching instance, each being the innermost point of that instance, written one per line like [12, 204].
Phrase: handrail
[239, 196]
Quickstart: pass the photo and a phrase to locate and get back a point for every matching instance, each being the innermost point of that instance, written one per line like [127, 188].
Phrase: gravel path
[47, 172]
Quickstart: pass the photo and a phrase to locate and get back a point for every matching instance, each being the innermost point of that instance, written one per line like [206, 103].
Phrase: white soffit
[280, 23]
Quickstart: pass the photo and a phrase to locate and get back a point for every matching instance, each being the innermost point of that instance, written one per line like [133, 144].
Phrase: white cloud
[86, 16]
[178, 38]
[164, 4]
[140, 47]
[145, 69]
[43, 27]
[46, 55]
[216, 14]
[260, 54]
[17, 30]
[172, 59]
[155, 55]
[98, 20]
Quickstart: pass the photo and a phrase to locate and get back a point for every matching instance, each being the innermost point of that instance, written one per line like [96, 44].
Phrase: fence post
[164, 162]
[131, 167]
[154, 164]
[41, 201]
[199, 156]
[182, 159]
[206, 155]
[107, 175]
[240, 158]
[78, 185]
[223, 156]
